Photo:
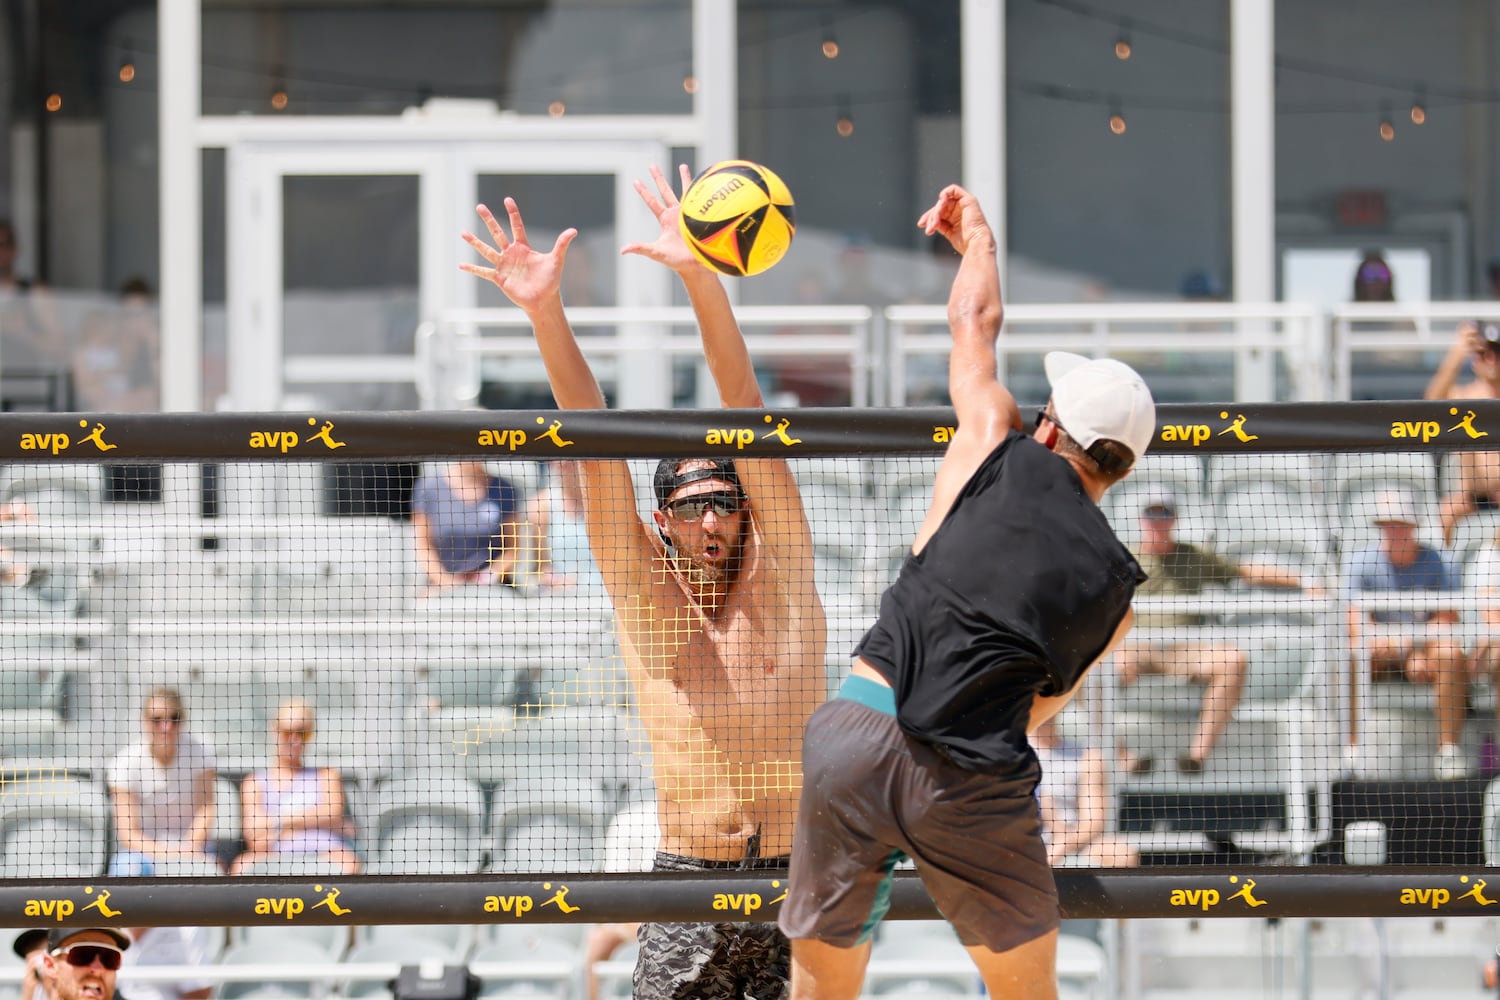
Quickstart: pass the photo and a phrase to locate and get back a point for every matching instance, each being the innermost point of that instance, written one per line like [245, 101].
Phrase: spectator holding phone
[1477, 345]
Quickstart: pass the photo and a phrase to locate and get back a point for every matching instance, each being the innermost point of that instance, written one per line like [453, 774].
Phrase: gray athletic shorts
[731, 961]
[871, 795]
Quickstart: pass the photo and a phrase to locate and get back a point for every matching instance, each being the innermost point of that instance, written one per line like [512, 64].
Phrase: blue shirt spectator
[467, 525]
[1371, 570]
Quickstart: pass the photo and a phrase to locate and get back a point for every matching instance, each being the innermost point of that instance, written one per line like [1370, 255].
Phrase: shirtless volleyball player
[720, 624]
[1014, 586]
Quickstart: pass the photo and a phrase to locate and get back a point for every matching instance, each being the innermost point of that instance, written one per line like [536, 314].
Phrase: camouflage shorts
[742, 961]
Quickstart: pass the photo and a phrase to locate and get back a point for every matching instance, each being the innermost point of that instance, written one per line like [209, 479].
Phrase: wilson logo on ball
[738, 218]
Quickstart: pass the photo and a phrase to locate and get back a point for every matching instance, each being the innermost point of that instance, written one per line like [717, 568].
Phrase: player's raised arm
[776, 503]
[985, 409]
[531, 279]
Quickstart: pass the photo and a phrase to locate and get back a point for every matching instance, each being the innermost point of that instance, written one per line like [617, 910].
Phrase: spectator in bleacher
[1074, 802]
[31, 947]
[116, 368]
[163, 792]
[31, 333]
[467, 525]
[171, 946]
[293, 809]
[82, 962]
[1476, 345]
[717, 609]
[555, 517]
[1432, 654]
[1373, 281]
[1180, 569]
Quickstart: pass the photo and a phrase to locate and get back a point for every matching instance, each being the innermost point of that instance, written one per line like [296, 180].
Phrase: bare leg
[826, 972]
[1026, 972]
[1226, 668]
[1442, 665]
[1454, 508]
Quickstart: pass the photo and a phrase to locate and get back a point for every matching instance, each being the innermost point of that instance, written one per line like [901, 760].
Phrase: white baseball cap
[1101, 399]
[1395, 507]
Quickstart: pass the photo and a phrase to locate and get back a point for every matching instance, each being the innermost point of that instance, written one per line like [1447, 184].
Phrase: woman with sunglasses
[163, 794]
[291, 810]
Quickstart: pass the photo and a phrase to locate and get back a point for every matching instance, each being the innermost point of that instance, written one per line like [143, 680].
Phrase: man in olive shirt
[1178, 569]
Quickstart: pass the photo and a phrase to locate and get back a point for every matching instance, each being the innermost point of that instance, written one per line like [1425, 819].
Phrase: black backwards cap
[668, 480]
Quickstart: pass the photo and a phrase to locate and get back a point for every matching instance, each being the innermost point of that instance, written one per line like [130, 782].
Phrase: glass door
[338, 251]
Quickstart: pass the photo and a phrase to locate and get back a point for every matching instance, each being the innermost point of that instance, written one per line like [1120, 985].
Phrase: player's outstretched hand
[956, 216]
[668, 247]
[528, 277]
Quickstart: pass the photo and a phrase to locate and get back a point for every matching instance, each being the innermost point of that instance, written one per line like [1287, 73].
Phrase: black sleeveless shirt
[1016, 593]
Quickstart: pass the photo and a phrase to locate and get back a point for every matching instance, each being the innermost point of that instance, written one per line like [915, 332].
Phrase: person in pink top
[292, 809]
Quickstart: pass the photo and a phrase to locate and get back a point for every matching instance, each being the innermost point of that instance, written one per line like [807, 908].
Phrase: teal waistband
[869, 694]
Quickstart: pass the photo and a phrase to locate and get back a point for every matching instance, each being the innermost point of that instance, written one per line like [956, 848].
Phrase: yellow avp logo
[58, 442]
[1426, 430]
[511, 438]
[286, 440]
[519, 906]
[292, 907]
[741, 436]
[747, 902]
[61, 909]
[1199, 433]
[1436, 897]
[1207, 898]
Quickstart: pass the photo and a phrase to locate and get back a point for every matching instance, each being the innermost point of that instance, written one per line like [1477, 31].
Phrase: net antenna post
[432, 980]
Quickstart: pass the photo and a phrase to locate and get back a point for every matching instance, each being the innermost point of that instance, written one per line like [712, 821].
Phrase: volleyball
[737, 218]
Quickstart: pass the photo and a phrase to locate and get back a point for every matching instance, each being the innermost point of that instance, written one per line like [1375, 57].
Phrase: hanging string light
[557, 109]
[279, 98]
[54, 102]
[844, 123]
[1419, 106]
[1116, 118]
[127, 65]
[1387, 130]
[690, 84]
[1123, 48]
[830, 41]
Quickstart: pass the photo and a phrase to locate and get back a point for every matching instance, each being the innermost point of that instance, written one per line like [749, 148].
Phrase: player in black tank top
[1015, 585]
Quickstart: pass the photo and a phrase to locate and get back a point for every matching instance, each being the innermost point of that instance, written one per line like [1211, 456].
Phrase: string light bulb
[1419, 106]
[557, 109]
[844, 123]
[1387, 130]
[830, 43]
[1116, 118]
[279, 99]
[690, 84]
[54, 102]
[1123, 48]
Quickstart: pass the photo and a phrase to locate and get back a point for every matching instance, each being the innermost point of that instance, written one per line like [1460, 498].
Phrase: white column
[716, 105]
[1252, 85]
[982, 64]
[178, 104]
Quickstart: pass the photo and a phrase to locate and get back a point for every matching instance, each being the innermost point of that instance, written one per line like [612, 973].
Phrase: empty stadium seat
[53, 826]
[548, 825]
[429, 823]
[283, 952]
[332, 939]
[525, 980]
[920, 958]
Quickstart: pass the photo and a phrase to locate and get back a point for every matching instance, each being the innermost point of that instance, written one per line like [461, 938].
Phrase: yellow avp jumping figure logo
[286, 440]
[58, 442]
[748, 902]
[1426, 430]
[1207, 898]
[1436, 897]
[61, 909]
[292, 907]
[519, 906]
[1199, 433]
[511, 438]
[741, 436]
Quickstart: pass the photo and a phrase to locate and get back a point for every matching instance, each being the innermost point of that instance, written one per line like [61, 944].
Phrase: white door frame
[447, 172]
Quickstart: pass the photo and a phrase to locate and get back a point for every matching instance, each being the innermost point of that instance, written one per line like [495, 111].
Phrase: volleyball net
[318, 651]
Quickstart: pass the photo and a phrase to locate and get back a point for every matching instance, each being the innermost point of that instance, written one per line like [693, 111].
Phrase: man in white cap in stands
[1427, 650]
[82, 961]
[1014, 587]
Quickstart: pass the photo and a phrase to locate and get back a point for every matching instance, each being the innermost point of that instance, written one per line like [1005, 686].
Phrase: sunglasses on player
[694, 507]
[84, 955]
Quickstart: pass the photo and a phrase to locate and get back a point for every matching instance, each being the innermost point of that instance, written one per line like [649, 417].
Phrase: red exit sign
[1356, 209]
